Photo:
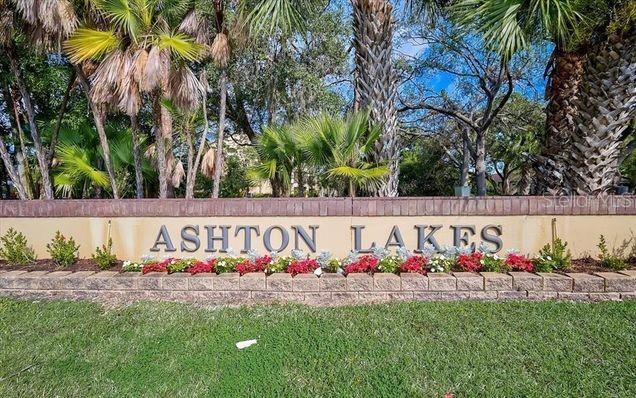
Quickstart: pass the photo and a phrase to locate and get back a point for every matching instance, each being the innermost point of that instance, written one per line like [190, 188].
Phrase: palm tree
[590, 103]
[46, 24]
[76, 172]
[279, 154]
[341, 149]
[263, 17]
[376, 81]
[136, 45]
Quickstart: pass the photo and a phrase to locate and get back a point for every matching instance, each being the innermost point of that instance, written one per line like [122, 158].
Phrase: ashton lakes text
[277, 238]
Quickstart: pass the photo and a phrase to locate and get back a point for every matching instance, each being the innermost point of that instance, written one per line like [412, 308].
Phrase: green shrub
[180, 265]
[227, 264]
[389, 264]
[103, 256]
[442, 263]
[280, 264]
[492, 263]
[553, 258]
[333, 264]
[15, 248]
[63, 251]
[614, 259]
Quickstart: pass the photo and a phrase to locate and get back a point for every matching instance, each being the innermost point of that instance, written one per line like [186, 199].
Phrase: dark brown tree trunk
[565, 72]
[139, 178]
[218, 160]
[466, 158]
[40, 152]
[480, 163]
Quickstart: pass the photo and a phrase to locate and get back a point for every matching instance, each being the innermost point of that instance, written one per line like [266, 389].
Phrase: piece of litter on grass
[244, 344]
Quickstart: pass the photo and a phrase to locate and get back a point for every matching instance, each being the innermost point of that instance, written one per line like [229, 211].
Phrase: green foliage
[227, 264]
[235, 183]
[555, 257]
[426, 171]
[511, 26]
[62, 250]
[492, 263]
[340, 150]
[15, 248]
[614, 259]
[279, 155]
[333, 264]
[131, 266]
[442, 263]
[389, 264]
[103, 256]
[280, 264]
[180, 265]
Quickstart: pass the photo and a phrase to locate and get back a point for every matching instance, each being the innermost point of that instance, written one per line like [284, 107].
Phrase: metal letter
[460, 239]
[211, 238]
[190, 237]
[247, 245]
[494, 239]
[268, 235]
[310, 242]
[163, 238]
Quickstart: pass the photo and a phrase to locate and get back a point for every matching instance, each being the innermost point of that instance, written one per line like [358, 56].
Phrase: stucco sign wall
[200, 228]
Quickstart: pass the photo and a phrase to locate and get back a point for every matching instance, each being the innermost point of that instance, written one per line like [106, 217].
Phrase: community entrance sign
[204, 227]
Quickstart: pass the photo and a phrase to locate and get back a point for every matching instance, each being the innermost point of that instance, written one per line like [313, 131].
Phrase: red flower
[201, 266]
[470, 262]
[263, 261]
[519, 262]
[415, 264]
[156, 267]
[364, 263]
[302, 266]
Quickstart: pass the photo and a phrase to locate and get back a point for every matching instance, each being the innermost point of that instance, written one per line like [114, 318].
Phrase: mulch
[86, 264]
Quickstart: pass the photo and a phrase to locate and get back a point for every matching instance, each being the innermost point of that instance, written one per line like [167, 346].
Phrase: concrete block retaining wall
[329, 289]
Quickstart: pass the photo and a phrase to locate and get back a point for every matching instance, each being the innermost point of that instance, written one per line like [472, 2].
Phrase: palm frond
[180, 45]
[74, 166]
[268, 16]
[122, 15]
[87, 43]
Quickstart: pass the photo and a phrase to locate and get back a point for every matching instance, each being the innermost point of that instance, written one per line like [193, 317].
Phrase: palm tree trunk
[480, 163]
[98, 117]
[139, 178]
[607, 107]
[192, 174]
[40, 152]
[376, 81]
[190, 144]
[11, 171]
[160, 146]
[564, 86]
[218, 160]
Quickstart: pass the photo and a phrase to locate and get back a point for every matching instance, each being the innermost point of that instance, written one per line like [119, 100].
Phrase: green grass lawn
[471, 349]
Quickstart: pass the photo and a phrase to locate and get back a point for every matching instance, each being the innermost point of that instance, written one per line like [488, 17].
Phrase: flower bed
[379, 261]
